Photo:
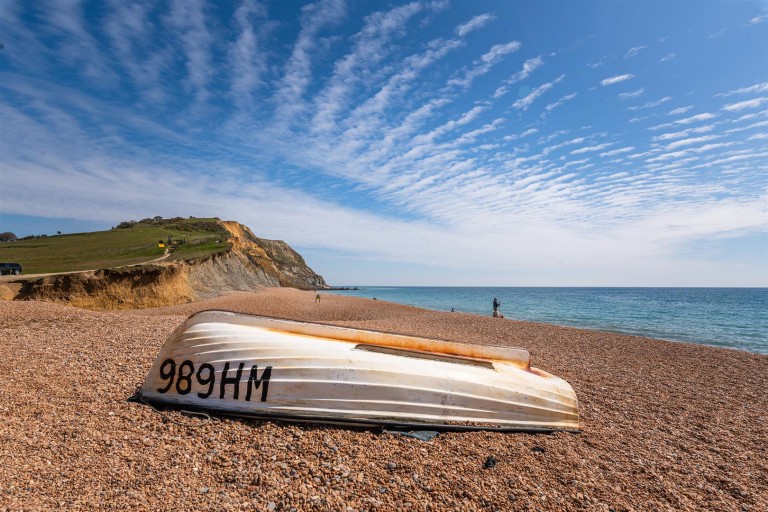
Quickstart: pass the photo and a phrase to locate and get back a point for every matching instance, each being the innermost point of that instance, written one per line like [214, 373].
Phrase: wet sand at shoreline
[666, 426]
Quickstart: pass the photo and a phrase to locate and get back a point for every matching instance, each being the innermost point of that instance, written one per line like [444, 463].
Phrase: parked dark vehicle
[10, 268]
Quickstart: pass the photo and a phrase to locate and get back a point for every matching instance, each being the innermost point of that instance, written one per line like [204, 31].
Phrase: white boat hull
[256, 366]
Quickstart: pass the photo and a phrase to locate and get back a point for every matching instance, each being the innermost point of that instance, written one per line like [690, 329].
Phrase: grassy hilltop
[128, 243]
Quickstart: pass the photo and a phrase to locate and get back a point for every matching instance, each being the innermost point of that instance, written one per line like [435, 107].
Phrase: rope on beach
[206, 418]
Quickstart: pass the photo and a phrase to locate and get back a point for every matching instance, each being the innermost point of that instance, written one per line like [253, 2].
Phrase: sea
[734, 318]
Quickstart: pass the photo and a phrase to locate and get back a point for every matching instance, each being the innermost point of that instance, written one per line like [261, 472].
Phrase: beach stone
[50, 447]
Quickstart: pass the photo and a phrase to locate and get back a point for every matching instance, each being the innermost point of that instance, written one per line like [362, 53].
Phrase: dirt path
[25, 277]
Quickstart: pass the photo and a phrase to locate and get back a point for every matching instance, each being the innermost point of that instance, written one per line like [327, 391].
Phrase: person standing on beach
[317, 298]
[496, 306]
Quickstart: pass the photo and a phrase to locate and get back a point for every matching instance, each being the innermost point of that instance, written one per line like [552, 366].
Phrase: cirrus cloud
[616, 79]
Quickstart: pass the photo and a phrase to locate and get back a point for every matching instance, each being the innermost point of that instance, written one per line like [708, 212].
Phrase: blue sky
[423, 143]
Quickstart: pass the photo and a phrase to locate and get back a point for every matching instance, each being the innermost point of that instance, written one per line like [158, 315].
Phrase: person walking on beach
[317, 298]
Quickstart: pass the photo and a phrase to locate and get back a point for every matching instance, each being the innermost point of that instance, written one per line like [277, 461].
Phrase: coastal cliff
[248, 263]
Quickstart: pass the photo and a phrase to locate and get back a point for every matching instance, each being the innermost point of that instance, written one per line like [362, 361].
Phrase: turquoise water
[722, 317]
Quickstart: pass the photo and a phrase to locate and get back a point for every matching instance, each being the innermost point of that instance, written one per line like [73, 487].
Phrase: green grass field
[116, 247]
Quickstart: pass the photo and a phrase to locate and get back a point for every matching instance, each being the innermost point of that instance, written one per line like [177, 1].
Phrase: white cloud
[747, 117]
[524, 103]
[667, 156]
[475, 23]
[368, 50]
[633, 94]
[619, 151]
[546, 151]
[188, 20]
[498, 51]
[753, 103]
[652, 104]
[680, 110]
[529, 131]
[595, 65]
[753, 89]
[668, 57]
[737, 158]
[758, 19]
[552, 136]
[688, 142]
[687, 120]
[684, 133]
[486, 62]
[75, 42]
[706, 116]
[560, 102]
[529, 66]
[397, 87]
[127, 27]
[298, 70]
[759, 124]
[466, 118]
[247, 60]
[634, 51]
[589, 149]
[616, 79]
[717, 34]
[709, 147]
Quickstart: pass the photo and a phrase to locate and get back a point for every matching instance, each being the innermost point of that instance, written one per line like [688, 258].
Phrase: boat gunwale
[493, 353]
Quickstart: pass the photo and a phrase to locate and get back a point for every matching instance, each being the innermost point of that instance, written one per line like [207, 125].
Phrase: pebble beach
[665, 425]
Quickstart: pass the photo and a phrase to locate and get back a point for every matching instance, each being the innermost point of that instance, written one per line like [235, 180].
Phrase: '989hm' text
[205, 376]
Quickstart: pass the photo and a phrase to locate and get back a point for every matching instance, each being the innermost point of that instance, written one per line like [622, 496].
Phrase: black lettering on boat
[182, 375]
[167, 373]
[230, 380]
[210, 379]
[254, 382]
[185, 377]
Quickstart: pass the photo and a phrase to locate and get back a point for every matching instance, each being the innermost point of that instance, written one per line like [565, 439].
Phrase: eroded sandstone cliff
[248, 264]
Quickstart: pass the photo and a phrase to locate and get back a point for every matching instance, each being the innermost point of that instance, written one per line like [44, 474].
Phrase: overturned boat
[246, 365]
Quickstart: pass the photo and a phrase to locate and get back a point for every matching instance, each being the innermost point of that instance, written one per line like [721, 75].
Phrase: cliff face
[275, 257]
[250, 263]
